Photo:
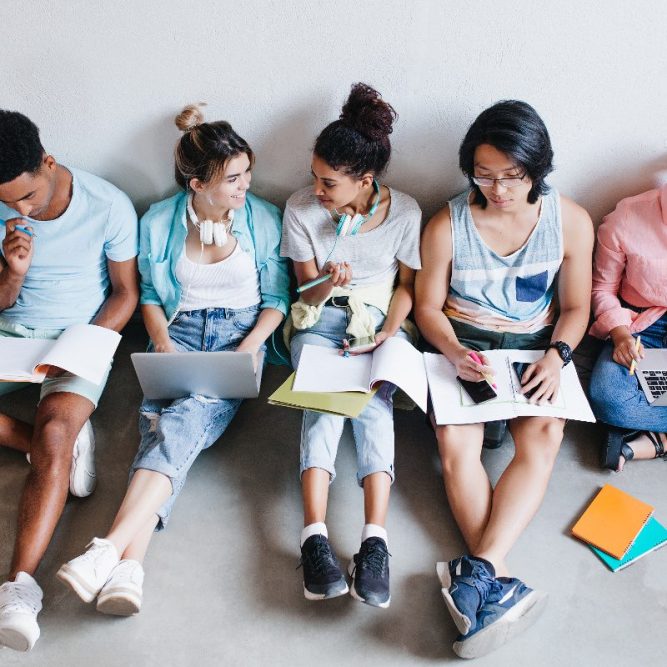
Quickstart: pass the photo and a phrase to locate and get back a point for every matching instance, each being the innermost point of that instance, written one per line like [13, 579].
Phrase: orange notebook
[612, 521]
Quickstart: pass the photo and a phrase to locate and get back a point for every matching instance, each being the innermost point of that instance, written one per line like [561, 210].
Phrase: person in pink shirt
[630, 299]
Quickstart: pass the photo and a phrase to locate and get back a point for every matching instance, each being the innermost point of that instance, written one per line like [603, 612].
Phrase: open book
[325, 370]
[82, 349]
[452, 405]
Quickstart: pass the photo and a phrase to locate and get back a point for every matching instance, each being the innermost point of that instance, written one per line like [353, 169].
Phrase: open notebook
[82, 349]
[325, 370]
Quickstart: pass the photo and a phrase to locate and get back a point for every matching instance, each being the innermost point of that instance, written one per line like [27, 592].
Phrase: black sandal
[617, 445]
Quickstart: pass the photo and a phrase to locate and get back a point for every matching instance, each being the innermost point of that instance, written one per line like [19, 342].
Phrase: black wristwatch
[564, 350]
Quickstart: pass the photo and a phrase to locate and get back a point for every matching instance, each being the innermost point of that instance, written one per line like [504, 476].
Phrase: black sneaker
[322, 577]
[369, 570]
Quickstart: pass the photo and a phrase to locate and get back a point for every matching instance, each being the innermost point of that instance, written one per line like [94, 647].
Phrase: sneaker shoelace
[320, 559]
[18, 597]
[483, 582]
[94, 552]
[374, 557]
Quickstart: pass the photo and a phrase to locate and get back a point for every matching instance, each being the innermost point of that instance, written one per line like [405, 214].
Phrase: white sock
[373, 530]
[318, 528]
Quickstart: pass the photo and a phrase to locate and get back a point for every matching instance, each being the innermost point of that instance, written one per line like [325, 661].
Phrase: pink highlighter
[489, 378]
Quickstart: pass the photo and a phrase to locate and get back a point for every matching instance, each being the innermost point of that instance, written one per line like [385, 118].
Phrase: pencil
[634, 362]
[487, 376]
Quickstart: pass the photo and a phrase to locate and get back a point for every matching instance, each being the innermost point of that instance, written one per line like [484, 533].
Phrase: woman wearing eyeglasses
[493, 260]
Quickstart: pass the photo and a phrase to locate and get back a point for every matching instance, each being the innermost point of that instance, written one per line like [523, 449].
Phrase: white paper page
[447, 396]
[402, 364]
[19, 356]
[323, 369]
[85, 350]
[452, 406]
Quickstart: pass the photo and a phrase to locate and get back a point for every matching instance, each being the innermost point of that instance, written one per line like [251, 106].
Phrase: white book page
[324, 369]
[85, 350]
[20, 356]
[399, 362]
[451, 404]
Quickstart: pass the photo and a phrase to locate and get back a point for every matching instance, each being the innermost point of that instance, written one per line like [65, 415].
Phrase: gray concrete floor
[221, 585]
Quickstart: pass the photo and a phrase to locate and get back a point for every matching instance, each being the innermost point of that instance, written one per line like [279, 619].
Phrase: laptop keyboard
[656, 381]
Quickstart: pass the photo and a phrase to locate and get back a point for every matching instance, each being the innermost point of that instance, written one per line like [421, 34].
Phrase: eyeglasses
[511, 182]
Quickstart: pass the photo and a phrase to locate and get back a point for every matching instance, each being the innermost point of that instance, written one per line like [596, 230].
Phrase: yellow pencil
[634, 363]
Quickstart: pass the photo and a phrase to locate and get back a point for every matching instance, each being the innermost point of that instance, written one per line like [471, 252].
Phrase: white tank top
[231, 283]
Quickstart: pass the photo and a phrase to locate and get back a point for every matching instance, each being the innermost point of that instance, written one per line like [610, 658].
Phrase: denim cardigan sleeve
[265, 221]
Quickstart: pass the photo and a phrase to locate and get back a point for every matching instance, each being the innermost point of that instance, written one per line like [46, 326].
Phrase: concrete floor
[221, 585]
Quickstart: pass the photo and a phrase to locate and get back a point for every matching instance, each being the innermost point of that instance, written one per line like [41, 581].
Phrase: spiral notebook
[612, 521]
[651, 537]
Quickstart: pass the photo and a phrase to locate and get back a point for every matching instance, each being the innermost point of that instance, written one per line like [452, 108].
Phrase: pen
[634, 362]
[21, 228]
[489, 378]
[312, 283]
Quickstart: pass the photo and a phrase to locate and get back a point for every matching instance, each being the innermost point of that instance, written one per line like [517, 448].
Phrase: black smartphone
[520, 368]
[478, 391]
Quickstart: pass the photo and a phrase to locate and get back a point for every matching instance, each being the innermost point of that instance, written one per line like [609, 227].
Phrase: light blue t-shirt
[68, 280]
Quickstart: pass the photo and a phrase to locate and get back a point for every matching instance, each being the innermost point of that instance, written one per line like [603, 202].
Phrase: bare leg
[376, 497]
[147, 492]
[136, 550]
[521, 488]
[58, 421]
[15, 433]
[315, 491]
[466, 482]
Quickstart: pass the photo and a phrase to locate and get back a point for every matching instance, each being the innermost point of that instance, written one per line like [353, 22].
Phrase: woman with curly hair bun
[355, 247]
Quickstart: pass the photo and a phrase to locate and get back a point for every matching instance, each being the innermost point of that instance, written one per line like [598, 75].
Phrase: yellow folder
[345, 403]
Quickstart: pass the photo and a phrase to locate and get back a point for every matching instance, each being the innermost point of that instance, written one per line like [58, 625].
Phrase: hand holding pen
[633, 364]
[339, 273]
[474, 366]
[17, 247]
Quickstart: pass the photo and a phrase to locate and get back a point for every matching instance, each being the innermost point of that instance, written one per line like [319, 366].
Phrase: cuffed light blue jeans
[373, 429]
[174, 432]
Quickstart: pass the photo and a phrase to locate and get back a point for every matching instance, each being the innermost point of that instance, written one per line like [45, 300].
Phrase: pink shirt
[631, 263]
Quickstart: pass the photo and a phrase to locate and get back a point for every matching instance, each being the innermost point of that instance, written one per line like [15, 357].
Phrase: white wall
[103, 81]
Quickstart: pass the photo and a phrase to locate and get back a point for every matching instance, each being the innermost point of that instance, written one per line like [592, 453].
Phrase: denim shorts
[174, 432]
[67, 382]
[373, 429]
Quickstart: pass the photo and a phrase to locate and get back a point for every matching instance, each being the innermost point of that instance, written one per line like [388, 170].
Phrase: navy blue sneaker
[466, 584]
[369, 570]
[322, 577]
[510, 609]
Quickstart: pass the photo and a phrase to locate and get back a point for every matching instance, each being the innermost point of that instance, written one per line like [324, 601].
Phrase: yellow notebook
[612, 521]
[345, 403]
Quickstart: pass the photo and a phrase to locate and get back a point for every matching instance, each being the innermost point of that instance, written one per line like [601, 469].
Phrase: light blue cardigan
[162, 232]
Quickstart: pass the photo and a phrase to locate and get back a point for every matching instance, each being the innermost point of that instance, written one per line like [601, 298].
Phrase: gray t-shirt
[309, 231]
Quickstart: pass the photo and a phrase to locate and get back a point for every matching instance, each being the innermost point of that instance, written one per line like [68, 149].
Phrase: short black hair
[358, 142]
[516, 129]
[20, 147]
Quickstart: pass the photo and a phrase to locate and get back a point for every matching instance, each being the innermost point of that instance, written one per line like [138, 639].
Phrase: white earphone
[210, 231]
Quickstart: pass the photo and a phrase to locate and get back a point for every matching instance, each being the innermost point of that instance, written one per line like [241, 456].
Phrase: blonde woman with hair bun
[211, 280]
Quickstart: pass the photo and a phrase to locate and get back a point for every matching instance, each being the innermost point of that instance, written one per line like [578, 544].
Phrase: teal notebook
[651, 537]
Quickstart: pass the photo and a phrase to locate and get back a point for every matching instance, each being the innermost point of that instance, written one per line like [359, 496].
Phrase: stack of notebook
[619, 528]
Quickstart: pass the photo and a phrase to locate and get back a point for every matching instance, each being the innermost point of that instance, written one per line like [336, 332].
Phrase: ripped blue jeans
[174, 432]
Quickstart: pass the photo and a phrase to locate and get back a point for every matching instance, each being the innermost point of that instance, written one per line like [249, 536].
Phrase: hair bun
[366, 112]
[190, 117]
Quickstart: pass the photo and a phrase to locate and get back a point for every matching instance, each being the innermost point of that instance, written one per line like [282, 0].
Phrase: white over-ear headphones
[211, 231]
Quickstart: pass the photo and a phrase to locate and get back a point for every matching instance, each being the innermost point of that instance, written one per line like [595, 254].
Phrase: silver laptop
[652, 375]
[213, 374]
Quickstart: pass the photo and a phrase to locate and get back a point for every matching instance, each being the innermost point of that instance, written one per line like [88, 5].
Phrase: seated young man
[69, 246]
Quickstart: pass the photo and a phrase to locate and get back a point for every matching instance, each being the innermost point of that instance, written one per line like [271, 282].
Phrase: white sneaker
[82, 477]
[87, 573]
[121, 595]
[20, 602]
